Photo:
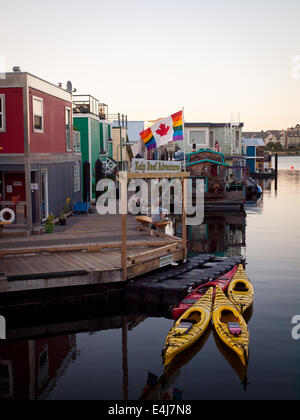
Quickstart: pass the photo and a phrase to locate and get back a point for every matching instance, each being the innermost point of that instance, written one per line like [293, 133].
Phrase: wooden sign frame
[163, 175]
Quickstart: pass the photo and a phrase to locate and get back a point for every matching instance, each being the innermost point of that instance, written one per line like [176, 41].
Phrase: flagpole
[184, 146]
[184, 192]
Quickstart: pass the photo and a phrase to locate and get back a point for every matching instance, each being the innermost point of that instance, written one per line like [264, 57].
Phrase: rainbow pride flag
[164, 131]
[177, 126]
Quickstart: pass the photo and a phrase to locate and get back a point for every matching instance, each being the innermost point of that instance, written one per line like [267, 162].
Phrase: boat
[230, 326]
[197, 293]
[189, 327]
[240, 290]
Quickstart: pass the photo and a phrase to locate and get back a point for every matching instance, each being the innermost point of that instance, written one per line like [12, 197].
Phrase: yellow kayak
[189, 327]
[240, 290]
[231, 326]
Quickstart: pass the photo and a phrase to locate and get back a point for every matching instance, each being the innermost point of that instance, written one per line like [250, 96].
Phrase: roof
[215, 162]
[207, 124]
[205, 150]
[253, 142]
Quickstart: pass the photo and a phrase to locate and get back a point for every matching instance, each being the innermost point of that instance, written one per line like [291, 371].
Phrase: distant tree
[274, 147]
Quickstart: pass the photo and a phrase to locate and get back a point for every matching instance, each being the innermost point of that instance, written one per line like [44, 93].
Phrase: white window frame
[3, 113]
[76, 175]
[38, 130]
[68, 146]
[205, 131]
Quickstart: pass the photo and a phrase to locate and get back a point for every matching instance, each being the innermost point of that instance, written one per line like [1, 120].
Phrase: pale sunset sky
[150, 58]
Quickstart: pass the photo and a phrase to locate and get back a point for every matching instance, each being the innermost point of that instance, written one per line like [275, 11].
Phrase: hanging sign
[155, 166]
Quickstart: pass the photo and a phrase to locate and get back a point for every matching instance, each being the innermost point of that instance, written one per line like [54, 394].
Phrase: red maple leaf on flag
[162, 130]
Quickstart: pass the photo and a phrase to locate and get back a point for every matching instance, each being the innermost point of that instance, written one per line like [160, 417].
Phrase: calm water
[106, 363]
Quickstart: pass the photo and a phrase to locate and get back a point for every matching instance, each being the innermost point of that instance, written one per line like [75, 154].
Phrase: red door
[14, 186]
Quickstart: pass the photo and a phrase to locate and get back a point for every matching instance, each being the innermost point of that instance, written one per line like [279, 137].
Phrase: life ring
[12, 216]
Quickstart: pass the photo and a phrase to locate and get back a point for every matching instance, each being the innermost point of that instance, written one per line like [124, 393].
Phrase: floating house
[91, 121]
[121, 154]
[38, 149]
[224, 184]
[220, 137]
[257, 161]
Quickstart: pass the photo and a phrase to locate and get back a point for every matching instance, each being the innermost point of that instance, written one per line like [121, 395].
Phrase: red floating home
[39, 162]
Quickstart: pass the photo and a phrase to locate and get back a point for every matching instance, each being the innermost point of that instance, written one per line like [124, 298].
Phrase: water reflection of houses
[28, 369]
[223, 234]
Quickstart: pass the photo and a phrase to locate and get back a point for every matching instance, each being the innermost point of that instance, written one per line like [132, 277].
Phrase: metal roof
[207, 124]
[253, 142]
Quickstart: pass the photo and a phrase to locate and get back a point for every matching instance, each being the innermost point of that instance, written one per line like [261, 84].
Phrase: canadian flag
[163, 131]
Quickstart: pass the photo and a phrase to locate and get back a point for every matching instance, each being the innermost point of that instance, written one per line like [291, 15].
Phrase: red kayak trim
[223, 282]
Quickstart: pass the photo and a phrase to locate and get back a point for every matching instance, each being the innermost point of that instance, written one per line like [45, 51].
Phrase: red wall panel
[12, 140]
[53, 138]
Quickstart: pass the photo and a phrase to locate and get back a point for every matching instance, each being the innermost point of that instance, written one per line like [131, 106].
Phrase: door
[14, 186]
[44, 195]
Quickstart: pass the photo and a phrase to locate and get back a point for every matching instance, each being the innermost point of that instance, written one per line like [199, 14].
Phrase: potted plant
[63, 214]
[49, 223]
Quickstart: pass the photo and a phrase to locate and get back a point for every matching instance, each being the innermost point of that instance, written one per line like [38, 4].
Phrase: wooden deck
[85, 251]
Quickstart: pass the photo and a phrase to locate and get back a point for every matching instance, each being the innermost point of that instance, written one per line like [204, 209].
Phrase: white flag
[163, 131]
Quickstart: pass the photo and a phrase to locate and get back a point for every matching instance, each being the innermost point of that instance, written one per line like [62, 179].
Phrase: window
[68, 129]
[76, 177]
[38, 120]
[198, 137]
[76, 142]
[2, 114]
[211, 139]
[237, 139]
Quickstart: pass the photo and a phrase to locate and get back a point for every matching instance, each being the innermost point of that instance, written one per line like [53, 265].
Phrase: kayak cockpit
[241, 286]
[227, 316]
[186, 324]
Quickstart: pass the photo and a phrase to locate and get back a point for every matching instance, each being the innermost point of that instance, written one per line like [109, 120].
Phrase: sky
[150, 58]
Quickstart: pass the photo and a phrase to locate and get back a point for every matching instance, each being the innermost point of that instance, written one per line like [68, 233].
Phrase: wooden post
[184, 238]
[124, 246]
[276, 171]
[125, 357]
[123, 211]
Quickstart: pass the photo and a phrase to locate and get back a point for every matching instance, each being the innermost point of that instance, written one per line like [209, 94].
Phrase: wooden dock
[86, 251]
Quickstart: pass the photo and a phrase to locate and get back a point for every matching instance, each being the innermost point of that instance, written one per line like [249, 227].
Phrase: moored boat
[230, 326]
[223, 282]
[189, 327]
[240, 290]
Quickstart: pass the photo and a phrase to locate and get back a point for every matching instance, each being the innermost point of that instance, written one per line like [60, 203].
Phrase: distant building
[254, 151]
[287, 138]
[91, 120]
[133, 134]
[293, 136]
[220, 137]
[39, 160]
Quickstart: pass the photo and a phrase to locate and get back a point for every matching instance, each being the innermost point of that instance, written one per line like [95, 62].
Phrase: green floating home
[90, 118]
